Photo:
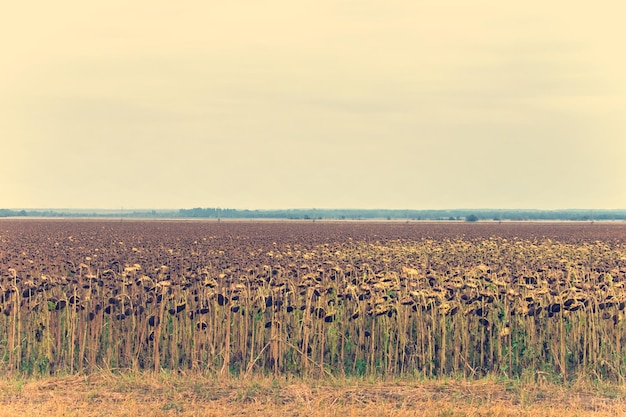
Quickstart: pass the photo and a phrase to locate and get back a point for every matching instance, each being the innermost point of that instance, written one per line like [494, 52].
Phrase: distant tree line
[382, 214]
[331, 214]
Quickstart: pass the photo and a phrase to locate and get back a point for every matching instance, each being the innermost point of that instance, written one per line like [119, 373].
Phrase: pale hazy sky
[297, 104]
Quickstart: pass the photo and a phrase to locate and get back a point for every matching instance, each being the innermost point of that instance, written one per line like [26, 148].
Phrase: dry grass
[106, 394]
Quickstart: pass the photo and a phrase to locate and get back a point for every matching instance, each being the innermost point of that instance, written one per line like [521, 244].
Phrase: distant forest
[328, 214]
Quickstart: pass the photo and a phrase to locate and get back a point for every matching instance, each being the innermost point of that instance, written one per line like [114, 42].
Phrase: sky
[399, 104]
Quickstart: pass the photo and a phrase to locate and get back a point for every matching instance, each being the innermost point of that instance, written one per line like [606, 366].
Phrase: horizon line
[313, 208]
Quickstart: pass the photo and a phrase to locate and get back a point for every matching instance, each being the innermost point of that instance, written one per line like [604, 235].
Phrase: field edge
[187, 394]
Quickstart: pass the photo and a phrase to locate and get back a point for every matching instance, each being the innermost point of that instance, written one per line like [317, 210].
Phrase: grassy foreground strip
[109, 394]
